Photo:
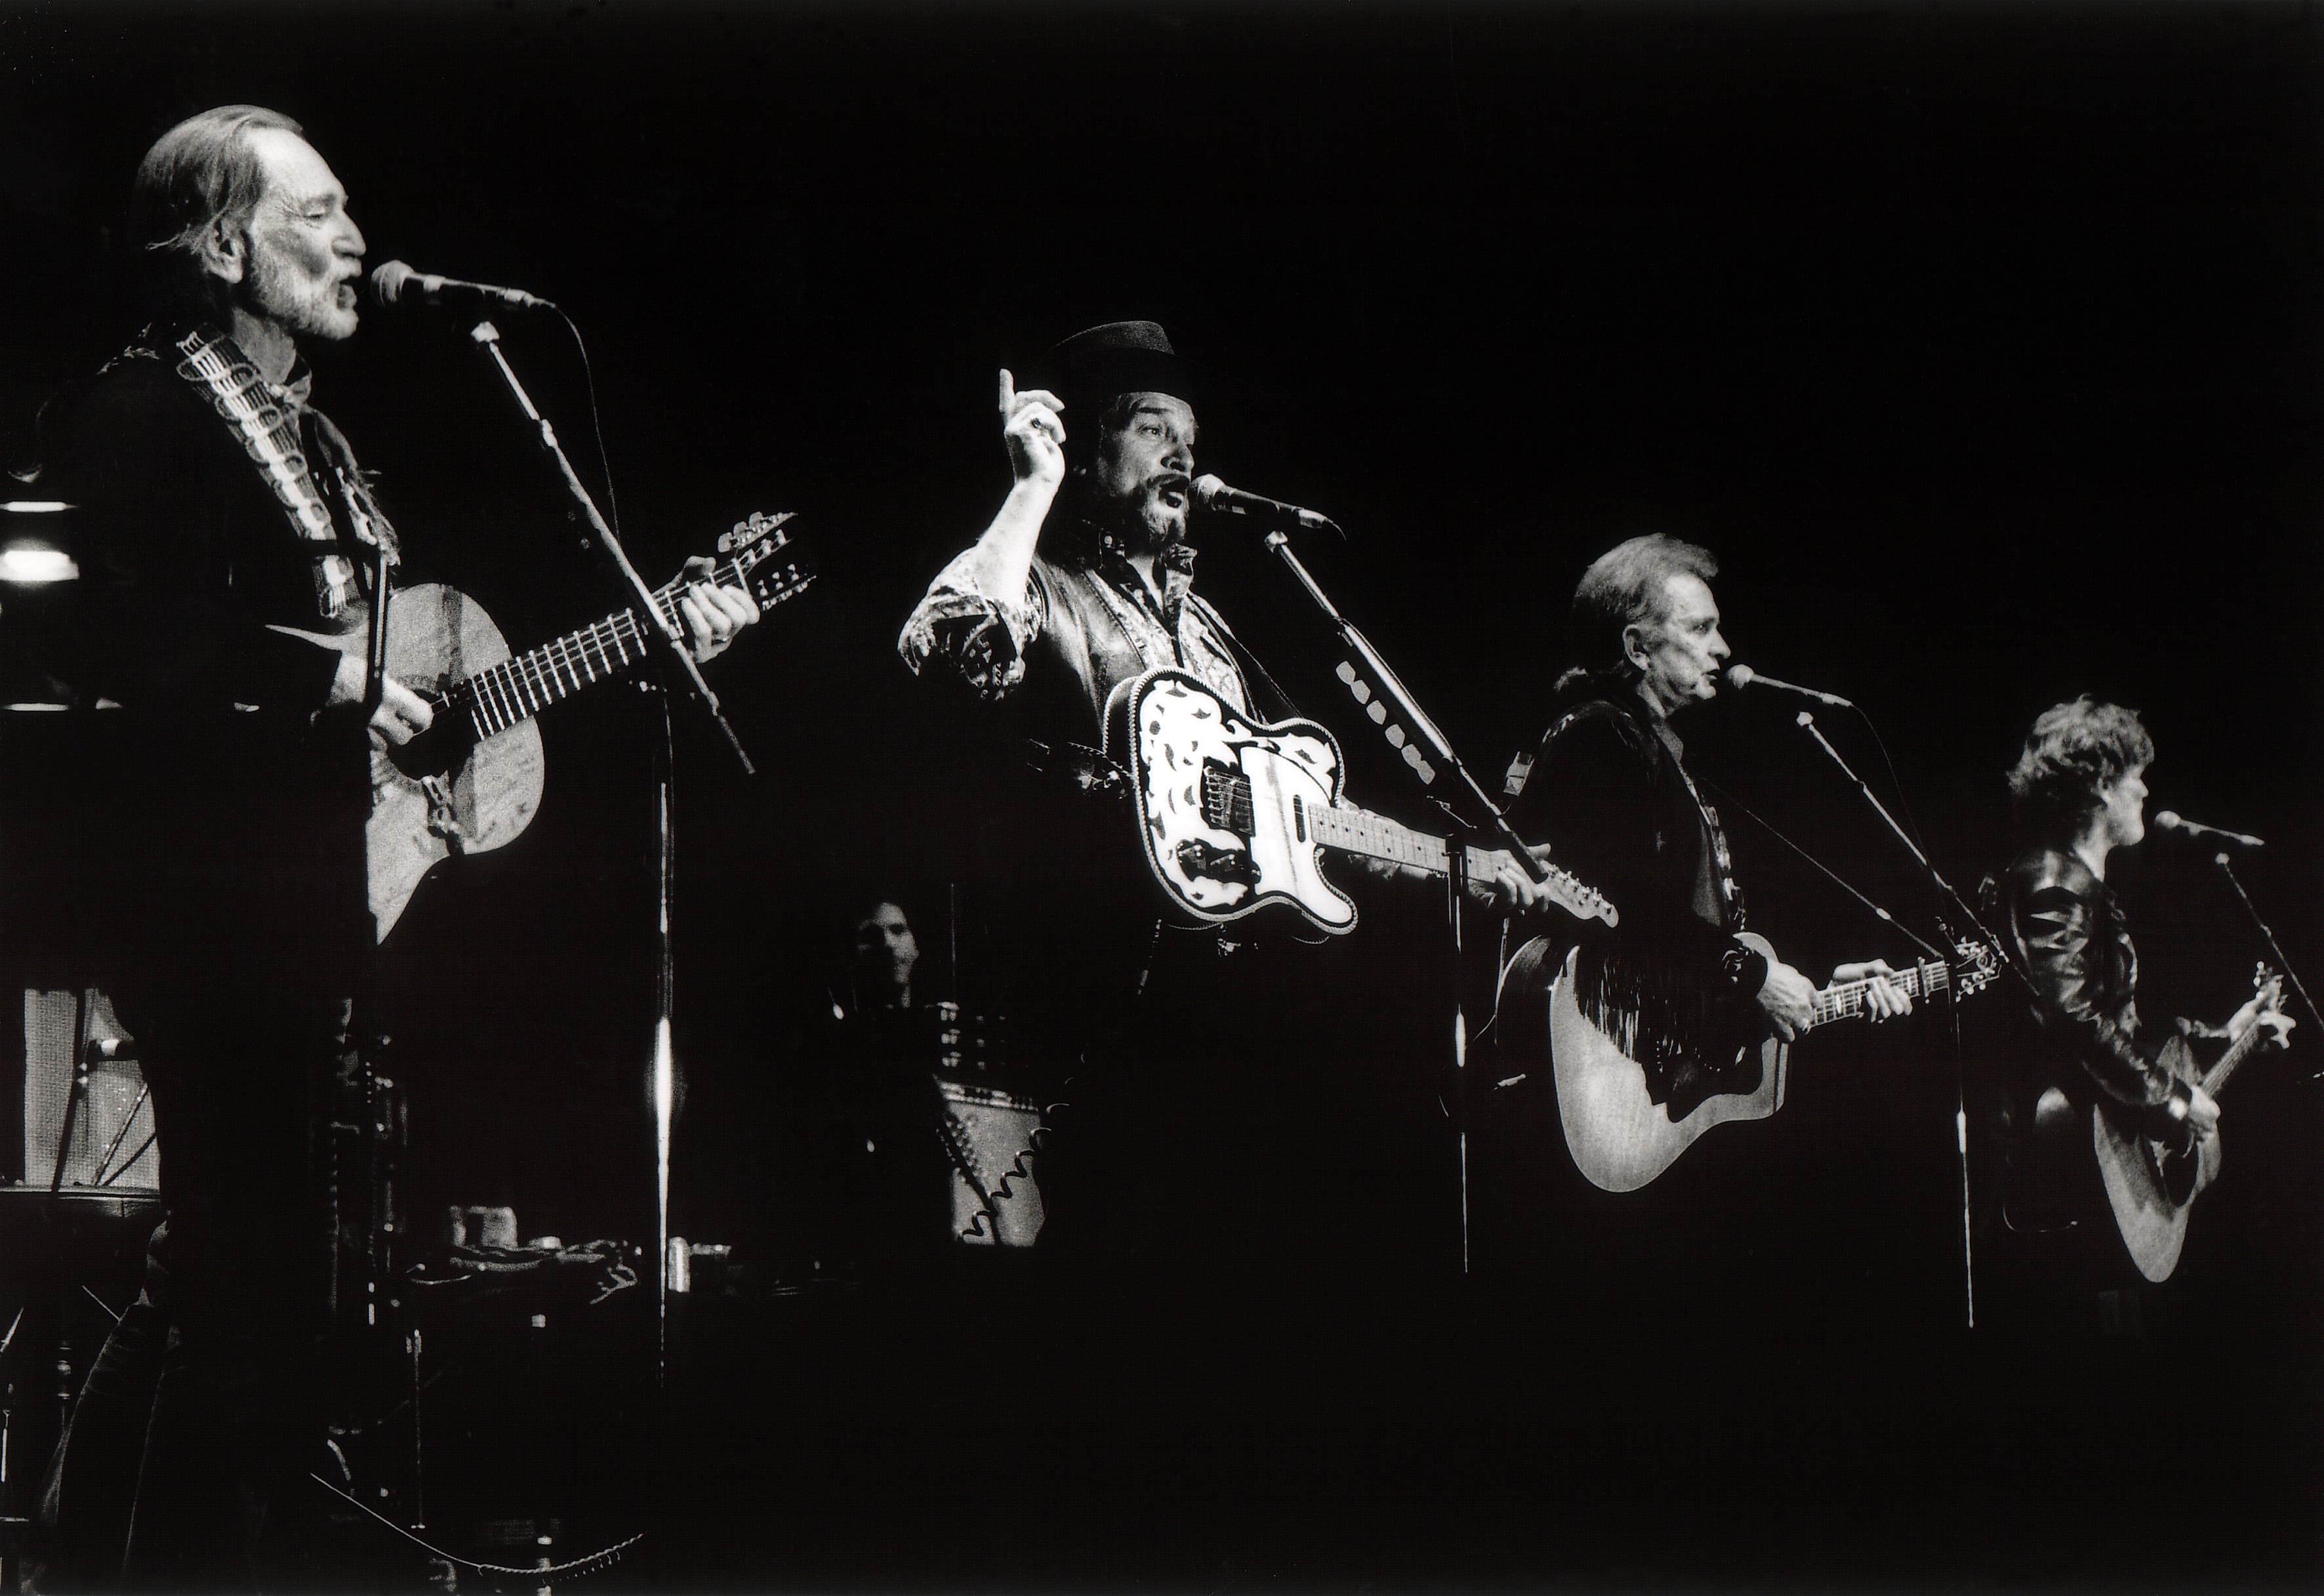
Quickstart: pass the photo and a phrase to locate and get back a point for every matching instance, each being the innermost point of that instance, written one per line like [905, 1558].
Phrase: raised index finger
[1008, 394]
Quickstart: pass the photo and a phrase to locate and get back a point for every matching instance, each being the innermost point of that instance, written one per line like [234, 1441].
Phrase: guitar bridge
[1226, 800]
[443, 818]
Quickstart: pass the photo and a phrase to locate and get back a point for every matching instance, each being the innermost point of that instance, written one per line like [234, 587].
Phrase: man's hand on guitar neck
[1511, 889]
[1788, 999]
[713, 615]
[402, 716]
[2261, 1011]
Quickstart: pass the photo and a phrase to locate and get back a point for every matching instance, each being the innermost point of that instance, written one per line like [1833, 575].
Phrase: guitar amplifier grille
[117, 1117]
[994, 1133]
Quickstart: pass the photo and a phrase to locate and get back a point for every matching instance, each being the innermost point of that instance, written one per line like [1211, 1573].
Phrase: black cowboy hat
[1123, 357]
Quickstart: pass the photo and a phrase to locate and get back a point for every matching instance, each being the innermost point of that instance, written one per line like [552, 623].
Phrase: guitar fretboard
[1852, 997]
[2215, 1078]
[522, 686]
[1359, 831]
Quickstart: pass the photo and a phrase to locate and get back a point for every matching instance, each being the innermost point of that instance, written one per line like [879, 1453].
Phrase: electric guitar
[2151, 1186]
[1621, 1139]
[1232, 813]
[472, 781]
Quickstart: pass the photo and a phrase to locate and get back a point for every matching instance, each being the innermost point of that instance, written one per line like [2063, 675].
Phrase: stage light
[24, 561]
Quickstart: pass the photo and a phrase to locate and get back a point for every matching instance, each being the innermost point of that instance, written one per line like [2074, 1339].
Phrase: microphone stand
[679, 665]
[1960, 1094]
[2283, 964]
[1389, 697]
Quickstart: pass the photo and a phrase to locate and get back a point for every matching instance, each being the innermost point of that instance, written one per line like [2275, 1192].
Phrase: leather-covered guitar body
[1223, 803]
[1233, 815]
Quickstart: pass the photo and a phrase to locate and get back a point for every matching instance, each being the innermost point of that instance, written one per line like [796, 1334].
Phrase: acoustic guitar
[2151, 1186]
[1621, 1138]
[472, 781]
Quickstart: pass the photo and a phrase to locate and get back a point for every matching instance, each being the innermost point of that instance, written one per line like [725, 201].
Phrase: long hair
[2074, 750]
[1627, 585]
[200, 173]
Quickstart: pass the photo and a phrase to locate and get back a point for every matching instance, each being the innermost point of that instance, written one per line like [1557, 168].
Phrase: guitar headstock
[2267, 984]
[1580, 900]
[1978, 966]
[768, 563]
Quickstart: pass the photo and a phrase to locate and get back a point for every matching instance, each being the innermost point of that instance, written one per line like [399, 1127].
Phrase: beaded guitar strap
[268, 426]
[1730, 893]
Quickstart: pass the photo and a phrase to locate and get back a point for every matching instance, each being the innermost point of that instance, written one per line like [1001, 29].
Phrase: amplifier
[990, 1137]
[110, 1142]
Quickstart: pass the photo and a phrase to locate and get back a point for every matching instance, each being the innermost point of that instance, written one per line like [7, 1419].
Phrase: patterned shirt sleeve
[972, 634]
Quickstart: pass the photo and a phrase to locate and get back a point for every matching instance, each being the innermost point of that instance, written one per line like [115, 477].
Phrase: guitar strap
[1727, 890]
[1283, 709]
[1666, 1017]
[1721, 862]
[266, 418]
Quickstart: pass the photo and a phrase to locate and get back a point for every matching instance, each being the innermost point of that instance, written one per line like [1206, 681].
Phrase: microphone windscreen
[2168, 820]
[1739, 675]
[389, 280]
[1207, 488]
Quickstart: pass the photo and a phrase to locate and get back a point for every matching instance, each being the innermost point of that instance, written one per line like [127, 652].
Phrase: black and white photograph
[1420, 795]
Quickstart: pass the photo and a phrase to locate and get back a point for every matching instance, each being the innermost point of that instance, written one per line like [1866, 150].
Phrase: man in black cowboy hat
[1084, 581]
[1084, 577]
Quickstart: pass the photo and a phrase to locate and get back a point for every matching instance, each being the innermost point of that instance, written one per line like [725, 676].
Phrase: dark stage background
[1982, 342]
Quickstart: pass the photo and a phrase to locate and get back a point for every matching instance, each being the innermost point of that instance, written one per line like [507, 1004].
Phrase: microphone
[396, 284]
[2169, 820]
[1740, 677]
[1219, 499]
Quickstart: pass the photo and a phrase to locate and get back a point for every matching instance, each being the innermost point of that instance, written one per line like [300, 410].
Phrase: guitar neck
[1851, 999]
[2215, 1078]
[1375, 836]
[521, 687]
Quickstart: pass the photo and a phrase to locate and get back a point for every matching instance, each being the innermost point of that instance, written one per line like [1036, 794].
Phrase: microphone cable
[603, 1557]
[596, 421]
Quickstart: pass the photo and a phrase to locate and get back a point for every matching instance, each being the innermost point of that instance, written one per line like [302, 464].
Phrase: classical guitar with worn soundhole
[1621, 1139]
[473, 781]
[2151, 1186]
[1232, 813]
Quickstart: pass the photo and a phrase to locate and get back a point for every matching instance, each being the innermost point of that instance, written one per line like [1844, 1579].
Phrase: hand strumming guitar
[403, 714]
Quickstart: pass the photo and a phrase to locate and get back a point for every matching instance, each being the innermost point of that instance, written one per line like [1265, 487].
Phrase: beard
[296, 298]
[1139, 519]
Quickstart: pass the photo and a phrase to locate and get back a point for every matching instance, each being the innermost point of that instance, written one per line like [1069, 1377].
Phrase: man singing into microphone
[1611, 794]
[1082, 582]
[222, 526]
